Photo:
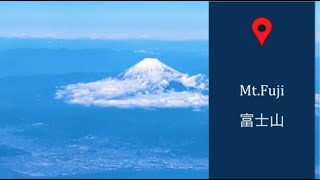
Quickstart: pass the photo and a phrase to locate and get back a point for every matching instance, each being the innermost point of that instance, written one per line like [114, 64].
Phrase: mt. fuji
[147, 84]
[150, 71]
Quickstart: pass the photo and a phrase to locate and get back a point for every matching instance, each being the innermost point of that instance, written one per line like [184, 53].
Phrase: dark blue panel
[287, 58]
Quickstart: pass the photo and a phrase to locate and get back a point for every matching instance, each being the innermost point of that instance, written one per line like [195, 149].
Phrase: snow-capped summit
[151, 64]
[150, 70]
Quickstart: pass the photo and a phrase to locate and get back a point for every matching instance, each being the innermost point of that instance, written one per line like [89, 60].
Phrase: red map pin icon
[261, 28]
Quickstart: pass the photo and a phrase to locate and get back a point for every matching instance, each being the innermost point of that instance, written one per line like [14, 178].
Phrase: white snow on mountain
[147, 84]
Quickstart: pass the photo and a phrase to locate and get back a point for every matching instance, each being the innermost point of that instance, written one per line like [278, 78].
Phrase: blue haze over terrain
[42, 136]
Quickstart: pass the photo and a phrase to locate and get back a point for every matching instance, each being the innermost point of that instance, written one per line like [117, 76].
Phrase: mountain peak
[150, 64]
[150, 61]
[150, 69]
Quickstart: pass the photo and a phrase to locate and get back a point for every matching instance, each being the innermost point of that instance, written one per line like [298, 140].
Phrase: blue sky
[105, 20]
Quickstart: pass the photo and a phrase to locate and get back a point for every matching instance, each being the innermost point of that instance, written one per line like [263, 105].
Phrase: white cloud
[99, 36]
[138, 88]
[126, 94]
[196, 81]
